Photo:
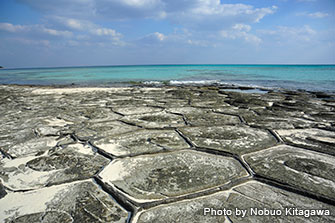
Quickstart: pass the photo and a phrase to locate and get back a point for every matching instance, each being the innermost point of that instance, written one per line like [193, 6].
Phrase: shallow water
[307, 77]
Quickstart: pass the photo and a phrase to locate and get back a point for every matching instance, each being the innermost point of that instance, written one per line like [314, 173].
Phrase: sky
[48, 33]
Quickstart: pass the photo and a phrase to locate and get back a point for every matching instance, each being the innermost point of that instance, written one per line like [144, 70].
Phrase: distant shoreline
[224, 87]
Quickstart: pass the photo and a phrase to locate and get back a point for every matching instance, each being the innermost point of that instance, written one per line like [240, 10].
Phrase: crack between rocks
[196, 194]
[276, 135]
[101, 152]
[236, 115]
[127, 204]
[5, 154]
[287, 187]
[187, 140]
[309, 148]
[132, 124]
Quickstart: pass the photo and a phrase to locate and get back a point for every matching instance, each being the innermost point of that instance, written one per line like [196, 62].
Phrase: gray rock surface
[155, 177]
[308, 170]
[234, 139]
[253, 198]
[141, 142]
[80, 201]
[164, 154]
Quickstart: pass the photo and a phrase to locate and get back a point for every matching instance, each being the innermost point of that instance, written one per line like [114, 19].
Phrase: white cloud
[285, 33]
[13, 28]
[185, 12]
[153, 38]
[240, 31]
[160, 36]
[89, 27]
[317, 15]
[212, 14]
[56, 32]
[34, 29]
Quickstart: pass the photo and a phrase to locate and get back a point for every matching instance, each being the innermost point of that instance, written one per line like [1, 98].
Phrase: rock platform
[166, 154]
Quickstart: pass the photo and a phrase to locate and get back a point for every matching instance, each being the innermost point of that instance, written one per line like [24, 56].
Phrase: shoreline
[155, 84]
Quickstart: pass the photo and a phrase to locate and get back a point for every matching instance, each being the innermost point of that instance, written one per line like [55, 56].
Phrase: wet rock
[142, 141]
[73, 202]
[75, 162]
[156, 177]
[155, 120]
[304, 169]
[316, 139]
[233, 139]
[249, 197]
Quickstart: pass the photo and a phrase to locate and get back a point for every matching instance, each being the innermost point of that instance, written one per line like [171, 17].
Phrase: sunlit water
[307, 77]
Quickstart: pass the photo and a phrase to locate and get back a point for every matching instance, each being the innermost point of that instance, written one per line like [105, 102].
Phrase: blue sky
[44, 33]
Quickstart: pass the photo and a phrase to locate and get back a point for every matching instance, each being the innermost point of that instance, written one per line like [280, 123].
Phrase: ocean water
[307, 77]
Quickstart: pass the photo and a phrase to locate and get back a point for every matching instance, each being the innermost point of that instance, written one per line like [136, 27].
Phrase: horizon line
[168, 64]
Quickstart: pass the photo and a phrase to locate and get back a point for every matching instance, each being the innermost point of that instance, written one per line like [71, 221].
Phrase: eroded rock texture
[165, 154]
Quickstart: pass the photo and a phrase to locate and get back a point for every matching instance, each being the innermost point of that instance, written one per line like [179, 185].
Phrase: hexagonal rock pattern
[251, 197]
[309, 170]
[80, 201]
[316, 139]
[155, 177]
[156, 120]
[74, 162]
[142, 141]
[234, 139]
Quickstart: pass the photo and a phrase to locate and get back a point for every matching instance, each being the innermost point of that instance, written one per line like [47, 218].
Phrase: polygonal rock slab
[233, 139]
[247, 196]
[74, 162]
[142, 141]
[156, 120]
[201, 117]
[211, 118]
[32, 146]
[303, 169]
[137, 110]
[102, 129]
[155, 177]
[73, 202]
[316, 139]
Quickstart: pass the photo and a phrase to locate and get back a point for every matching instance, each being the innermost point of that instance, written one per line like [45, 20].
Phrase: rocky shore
[166, 154]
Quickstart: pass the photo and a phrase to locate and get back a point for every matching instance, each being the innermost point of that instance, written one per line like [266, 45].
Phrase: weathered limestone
[249, 197]
[98, 130]
[156, 177]
[307, 170]
[142, 141]
[81, 201]
[32, 146]
[137, 110]
[204, 117]
[234, 139]
[74, 162]
[316, 139]
[164, 154]
[155, 120]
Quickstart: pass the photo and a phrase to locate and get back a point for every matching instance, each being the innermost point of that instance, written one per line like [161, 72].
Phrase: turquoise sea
[307, 77]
